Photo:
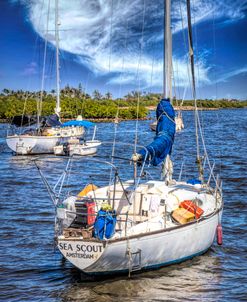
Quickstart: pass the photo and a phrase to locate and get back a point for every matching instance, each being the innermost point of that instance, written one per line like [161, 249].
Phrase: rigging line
[200, 116]
[185, 48]
[178, 88]
[184, 94]
[50, 71]
[202, 136]
[174, 85]
[214, 46]
[196, 55]
[85, 94]
[30, 78]
[120, 91]
[197, 65]
[205, 150]
[110, 44]
[39, 103]
[64, 73]
[152, 72]
[215, 77]
[196, 47]
[68, 170]
[191, 50]
[138, 75]
[191, 53]
[153, 60]
[57, 109]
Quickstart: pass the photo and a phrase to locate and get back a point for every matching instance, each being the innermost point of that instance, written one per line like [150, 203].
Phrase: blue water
[31, 269]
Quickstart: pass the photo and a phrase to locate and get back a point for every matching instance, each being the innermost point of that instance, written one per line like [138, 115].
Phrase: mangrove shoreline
[97, 107]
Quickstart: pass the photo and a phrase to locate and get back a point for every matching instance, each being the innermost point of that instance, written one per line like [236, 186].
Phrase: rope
[39, 103]
[117, 114]
[139, 80]
[110, 48]
[30, 77]
[184, 42]
[165, 113]
[152, 68]
[191, 52]
[197, 119]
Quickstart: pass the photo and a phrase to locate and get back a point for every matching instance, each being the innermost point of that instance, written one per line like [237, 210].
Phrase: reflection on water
[32, 270]
[193, 279]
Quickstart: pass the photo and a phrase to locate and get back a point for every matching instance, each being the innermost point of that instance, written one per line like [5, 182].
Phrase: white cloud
[203, 10]
[232, 73]
[105, 34]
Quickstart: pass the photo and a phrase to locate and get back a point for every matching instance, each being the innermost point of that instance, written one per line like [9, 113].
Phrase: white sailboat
[139, 224]
[178, 121]
[39, 141]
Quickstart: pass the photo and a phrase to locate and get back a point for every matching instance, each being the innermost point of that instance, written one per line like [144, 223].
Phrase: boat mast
[58, 108]
[167, 167]
[192, 65]
[167, 67]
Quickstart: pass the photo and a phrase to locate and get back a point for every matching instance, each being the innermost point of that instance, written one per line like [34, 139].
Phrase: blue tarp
[194, 181]
[76, 123]
[165, 132]
[104, 226]
[52, 121]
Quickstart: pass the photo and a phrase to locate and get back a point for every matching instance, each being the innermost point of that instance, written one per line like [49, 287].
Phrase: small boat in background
[76, 146]
[178, 120]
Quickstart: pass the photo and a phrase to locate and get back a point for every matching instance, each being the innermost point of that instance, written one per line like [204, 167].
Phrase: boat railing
[122, 223]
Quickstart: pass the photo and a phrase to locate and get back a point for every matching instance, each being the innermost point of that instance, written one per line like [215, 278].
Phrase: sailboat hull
[40, 144]
[89, 148]
[141, 252]
[24, 144]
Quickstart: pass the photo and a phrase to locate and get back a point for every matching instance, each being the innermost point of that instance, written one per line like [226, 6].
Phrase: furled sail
[165, 132]
[23, 120]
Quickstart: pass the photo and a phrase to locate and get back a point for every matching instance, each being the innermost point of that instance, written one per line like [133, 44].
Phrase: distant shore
[149, 108]
[97, 107]
[185, 108]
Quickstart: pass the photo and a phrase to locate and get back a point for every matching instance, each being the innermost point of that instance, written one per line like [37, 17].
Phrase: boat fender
[219, 234]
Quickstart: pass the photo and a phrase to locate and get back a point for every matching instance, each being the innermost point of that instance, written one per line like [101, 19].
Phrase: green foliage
[74, 101]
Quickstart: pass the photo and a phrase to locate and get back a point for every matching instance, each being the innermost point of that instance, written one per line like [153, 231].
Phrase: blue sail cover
[52, 121]
[76, 123]
[165, 132]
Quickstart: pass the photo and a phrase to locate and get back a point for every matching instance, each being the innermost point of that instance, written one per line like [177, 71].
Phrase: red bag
[191, 207]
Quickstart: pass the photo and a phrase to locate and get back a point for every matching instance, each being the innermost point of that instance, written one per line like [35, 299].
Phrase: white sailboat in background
[139, 224]
[44, 139]
[178, 121]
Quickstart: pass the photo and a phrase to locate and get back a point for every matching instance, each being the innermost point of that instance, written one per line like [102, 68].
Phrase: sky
[117, 46]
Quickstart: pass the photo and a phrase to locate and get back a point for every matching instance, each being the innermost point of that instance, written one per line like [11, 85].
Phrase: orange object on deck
[191, 207]
[182, 215]
[87, 189]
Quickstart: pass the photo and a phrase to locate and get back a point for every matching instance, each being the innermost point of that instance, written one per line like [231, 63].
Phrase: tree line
[74, 101]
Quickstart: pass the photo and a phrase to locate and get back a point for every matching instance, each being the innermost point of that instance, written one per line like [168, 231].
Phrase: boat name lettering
[88, 248]
[80, 248]
[79, 255]
[65, 246]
